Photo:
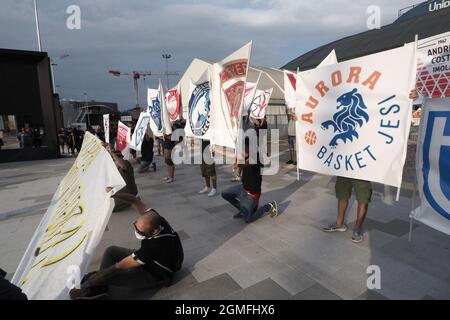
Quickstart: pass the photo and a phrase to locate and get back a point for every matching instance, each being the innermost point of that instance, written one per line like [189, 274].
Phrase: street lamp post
[167, 56]
[87, 110]
[36, 16]
[52, 70]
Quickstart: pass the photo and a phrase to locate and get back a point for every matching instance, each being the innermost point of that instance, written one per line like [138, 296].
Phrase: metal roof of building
[372, 41]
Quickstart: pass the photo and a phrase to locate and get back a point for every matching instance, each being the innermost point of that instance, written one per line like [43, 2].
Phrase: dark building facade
[388, 37]
[28, 102]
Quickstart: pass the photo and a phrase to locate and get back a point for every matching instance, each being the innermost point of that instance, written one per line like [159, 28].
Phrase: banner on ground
[354, 117]
[259, 104]
[106, 126]
[433, 66]
[290, 80]
[73, 225]
[139, 131]
[173, 100]
[228, 86]
[123, 134]
[433, 165]
[199, 108]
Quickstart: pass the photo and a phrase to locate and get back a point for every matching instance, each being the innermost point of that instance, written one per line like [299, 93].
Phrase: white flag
[249, 95]
[290, 80]
[173, 100]
[354, 116]
[199, 108]
[139, 131]
[260, 103]
[433, 165]
[164, 112]
[155, 111]
[65, 240]
[228, 85]
[106, 126]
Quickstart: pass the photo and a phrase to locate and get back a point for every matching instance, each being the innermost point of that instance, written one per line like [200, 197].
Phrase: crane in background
[136, 75]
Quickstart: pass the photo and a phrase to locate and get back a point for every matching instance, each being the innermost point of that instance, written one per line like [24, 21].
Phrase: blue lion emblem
[199, 106]
[155, 112]
[351, 114]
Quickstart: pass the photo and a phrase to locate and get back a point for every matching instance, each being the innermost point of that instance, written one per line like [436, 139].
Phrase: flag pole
[411, 219]
[296, 139]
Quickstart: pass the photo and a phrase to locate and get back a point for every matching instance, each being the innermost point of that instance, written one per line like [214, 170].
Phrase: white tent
[270, 78]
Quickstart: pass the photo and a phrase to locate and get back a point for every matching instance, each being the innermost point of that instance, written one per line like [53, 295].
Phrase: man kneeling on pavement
[152, 265]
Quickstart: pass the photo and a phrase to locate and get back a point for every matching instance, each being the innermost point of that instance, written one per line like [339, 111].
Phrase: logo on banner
[348, 118]
[173, 104]
[140, 129]
[436, 162]
[199, 106]
[155, 112]
[234, 93]
[258, 105]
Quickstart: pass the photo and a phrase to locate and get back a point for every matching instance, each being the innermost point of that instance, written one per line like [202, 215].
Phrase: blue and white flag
[199, 108]
[139, 131]
[433, 165]
[354, 117]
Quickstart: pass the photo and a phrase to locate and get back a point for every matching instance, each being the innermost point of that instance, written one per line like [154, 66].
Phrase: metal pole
[36, 15]
[167, 72]
[53, 76]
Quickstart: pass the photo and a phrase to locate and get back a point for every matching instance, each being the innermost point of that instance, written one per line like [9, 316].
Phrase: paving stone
[316, 292]
[215, 288]
[371, 295]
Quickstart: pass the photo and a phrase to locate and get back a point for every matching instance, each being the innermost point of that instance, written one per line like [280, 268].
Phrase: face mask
[138, 236]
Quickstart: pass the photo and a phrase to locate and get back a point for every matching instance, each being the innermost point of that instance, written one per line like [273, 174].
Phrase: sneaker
[357, 236]
[289, 162]
[238, 215]
[213, 192]
[204, 190]
[154, 166]
[273, 211]
[166, 178]
[335, 228]
[170, 180]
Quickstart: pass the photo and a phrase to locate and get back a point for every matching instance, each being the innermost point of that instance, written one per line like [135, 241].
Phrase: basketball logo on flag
[199, 107]
[173, 104]
[349, 116]
[155, 112]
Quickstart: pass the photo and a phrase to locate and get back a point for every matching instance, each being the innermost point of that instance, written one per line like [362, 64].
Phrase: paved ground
[284, 258]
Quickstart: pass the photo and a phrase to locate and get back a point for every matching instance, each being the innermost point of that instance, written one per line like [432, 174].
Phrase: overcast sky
[128, 35]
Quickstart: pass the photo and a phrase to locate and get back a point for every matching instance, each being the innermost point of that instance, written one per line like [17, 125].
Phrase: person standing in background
[291, 137]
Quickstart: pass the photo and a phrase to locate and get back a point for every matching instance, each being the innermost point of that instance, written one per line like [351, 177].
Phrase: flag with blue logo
[433, 165]
[354, 116]
[199, 108]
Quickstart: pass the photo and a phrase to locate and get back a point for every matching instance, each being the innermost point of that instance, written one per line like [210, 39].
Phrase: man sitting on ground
[152, 265]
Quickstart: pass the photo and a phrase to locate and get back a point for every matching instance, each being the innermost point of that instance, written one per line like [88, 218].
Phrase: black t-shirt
[128, 176]
[252, 178]
[167, 143]
[161, 255]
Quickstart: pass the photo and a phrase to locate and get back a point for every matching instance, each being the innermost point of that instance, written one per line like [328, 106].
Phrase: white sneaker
[170, 180]
[166, 178]
[204, 190]
[213, 192]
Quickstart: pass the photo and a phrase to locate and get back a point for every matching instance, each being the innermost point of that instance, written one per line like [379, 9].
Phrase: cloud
[132, 35]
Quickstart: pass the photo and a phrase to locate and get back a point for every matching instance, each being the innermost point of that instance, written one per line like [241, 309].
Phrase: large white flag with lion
[354, 117]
